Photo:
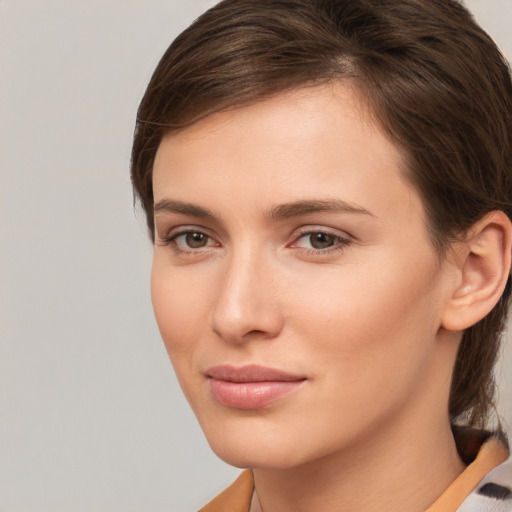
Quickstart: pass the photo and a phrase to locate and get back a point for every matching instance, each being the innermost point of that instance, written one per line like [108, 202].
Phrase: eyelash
[339, 242]
[170, 241]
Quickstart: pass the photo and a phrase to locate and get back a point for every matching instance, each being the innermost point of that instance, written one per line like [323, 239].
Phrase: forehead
[314, 141]
[306, 114]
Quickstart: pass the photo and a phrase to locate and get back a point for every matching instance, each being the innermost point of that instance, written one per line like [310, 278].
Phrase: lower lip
[251, 395]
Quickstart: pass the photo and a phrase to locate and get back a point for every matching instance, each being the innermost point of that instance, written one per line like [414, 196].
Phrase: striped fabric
[493, 493]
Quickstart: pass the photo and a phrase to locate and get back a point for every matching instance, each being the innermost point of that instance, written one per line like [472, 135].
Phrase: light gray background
[91, 415]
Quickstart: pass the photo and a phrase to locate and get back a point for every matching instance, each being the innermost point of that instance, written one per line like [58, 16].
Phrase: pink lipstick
[250, 387]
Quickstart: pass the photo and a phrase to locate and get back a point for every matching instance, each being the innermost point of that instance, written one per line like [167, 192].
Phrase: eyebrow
[297, 208]
[277, 213]
[172, 206]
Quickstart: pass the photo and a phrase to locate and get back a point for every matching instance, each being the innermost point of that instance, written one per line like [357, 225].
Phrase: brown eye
[322, 240]
[190, 241]
[196, 240]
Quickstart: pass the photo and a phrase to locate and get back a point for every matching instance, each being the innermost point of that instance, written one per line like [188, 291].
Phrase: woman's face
[294, 283]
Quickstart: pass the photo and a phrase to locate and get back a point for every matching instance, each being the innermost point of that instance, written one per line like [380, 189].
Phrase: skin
[360, 319]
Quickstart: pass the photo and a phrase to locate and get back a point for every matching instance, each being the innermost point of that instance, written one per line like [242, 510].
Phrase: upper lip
[251, 373]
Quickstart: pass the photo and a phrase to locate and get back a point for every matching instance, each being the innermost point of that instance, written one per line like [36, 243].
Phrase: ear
[484, 260]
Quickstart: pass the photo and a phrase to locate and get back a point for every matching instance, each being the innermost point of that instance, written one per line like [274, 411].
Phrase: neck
[404, 470]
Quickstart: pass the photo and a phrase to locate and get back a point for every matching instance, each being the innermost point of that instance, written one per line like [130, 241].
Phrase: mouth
[252, 386]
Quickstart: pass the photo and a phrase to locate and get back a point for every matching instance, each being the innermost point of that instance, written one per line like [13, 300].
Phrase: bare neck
[404, 471]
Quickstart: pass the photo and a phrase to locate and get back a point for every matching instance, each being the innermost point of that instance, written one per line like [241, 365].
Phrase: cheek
[177, 302]
[365, 320]
[369, 339]
[180, 303]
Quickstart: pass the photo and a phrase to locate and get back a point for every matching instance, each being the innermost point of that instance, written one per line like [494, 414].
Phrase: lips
[252, 386]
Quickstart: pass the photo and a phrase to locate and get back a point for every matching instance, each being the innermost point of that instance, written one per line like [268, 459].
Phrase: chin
[255, 446]
[261, 456]
[247, 442]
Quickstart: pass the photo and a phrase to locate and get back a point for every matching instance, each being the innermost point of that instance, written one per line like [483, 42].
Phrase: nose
[247, 302]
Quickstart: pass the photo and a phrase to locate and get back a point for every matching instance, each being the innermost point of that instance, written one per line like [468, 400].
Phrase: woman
[328, 185]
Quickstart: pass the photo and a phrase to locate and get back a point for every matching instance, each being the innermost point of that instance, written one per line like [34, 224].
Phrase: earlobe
[485, 259]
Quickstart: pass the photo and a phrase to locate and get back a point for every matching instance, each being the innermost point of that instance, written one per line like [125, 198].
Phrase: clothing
[484, 486]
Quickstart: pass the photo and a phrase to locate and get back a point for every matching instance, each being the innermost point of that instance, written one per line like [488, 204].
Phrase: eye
[189, 241]
[192, 239]
[319, 241]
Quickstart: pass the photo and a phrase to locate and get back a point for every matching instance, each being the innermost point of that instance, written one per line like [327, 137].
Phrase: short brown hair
[434, 80]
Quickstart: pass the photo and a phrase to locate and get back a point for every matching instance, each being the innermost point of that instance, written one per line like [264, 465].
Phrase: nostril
[254, 334]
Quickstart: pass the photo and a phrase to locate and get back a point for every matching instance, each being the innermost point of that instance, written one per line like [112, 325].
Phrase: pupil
[195, 240]
[321, 240]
